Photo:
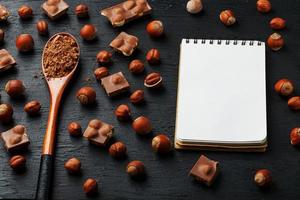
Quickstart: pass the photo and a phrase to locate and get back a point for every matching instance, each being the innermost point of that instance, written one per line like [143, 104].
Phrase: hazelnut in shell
[73, 165]
[74, 129]
[153, 56]
[142, 125]
[161, 144]
[275, 41]
[17, 162]
[104, 57]
[155, 28]
[32, 108]
[90, 187]
[294, 103]
[14, 88]
[100, 73]
[277, 23]
[227, 17]
[136, 66]
[25, 12]
[295, 136]
[194, 6]
[122, 112]
[6, 113]
[86, 95]
[284, 87]
[118, 150]
[263, 178]
[24, 43]
[82, 11]
[88, 32]
[135, 168]
[137, 97]
[2, 34]
[42, 27]
[263, 6]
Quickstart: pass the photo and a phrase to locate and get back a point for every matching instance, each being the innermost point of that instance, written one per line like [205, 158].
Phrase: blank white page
[221, 92]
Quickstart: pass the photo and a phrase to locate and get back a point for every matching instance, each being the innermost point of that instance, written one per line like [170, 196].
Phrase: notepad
[221, 99]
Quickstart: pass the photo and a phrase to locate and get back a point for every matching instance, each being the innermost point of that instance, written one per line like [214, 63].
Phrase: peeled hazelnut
[137, 96]
[100, 73]
[153, 80]
[161, 144]
[17, 162]
[104, 57]
[86, 95]
[263, 178]
[15, 139]
[123, 112]
[14, 88]
[117, 150]
[52, 9]
[52, 2]
[117, 79]
[90, 187]
[82, 10]
[275, 41]
[155, 28]
[2, 34]
[153, 56]
[19, 129]
[284, 87]
[194, 6]
[263, 6]
[88, 32]
[74, 129]
[227, 17]
[24, 43]
[95, 123]
[142, 125]
[294, 103]
[135, 168]
[295, 136]
[32, 108]
[73, 165]
[42, 27]
[6, 112]
[136, 66]
[277, 23]
[25, 12]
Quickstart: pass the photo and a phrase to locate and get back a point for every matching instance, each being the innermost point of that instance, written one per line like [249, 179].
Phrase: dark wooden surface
[167, 177]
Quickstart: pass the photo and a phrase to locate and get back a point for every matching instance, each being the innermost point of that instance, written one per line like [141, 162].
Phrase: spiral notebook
[221, 100]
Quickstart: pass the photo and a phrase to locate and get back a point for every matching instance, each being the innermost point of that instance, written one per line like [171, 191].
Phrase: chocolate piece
[15, 138]
[55, 8]
[126, 11]
[115, 84]
[98, 132]
[4, 13]
[205, 170]
[125, 43]
[6, 60]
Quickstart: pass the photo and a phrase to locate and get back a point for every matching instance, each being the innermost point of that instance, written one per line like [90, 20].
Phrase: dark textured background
[167, 176]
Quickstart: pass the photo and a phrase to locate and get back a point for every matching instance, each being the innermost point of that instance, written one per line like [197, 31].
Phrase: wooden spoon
[56, 88]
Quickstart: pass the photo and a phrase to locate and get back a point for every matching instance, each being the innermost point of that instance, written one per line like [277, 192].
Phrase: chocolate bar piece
[6, 60]
[98, 132]
[115, 84]
[126, 11]
[55, 8]
[4, 13]
[15, 138]
[205, 170]
[125, 43]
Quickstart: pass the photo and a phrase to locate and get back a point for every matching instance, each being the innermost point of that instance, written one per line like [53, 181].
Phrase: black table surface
[167, 177]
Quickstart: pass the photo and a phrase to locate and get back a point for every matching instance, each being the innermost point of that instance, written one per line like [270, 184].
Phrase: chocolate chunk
[98, 132]
[115, 84]
[15, 138]
[55, 8]
[4, 13]
[6, 60]
[125, 43]
[205, 170]
[120, 14]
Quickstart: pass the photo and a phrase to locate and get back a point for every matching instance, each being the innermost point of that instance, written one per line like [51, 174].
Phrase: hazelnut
[73, 165]
[100, 73]
[295, 136]
[25, 12]
[117, 150]
[294, 103]
[153, 80]
[284, 87]
[136, 66]
[42, 27]
[52, 2]
[24, 43]
[137, 96]
[263, 6]
[277, 23]
[227, 17]
[17, 162]
[275, 41]
[90, 187]
[194, 6]
[82, 10]
[123, 112]
[153, 56]
[104, 57]
[74, 129]
[155, 28]
[117, 79]
[19, 129]
[161, 144]
[6, 112]
[32, 108]
[263, 178]
[88, 32]
[135, 168]
[4, 13]
[14, 88]
[142, 125]
[86, 95]
[2, 34]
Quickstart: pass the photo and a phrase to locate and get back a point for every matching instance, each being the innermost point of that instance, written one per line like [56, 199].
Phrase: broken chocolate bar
[115, 84]
[125, 43]
[55, 8]
[6, 60]
[15, 138]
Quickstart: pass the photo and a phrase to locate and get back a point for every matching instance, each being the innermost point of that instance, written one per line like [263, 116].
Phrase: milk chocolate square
[125, 43]
[98, 132]
[120, 14]
[205, 170]
[55, 8]
[115, 84]
[6, 60]
[15, 138]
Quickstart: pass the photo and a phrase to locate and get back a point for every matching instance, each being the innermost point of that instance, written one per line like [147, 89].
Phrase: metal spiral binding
[227, 42]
